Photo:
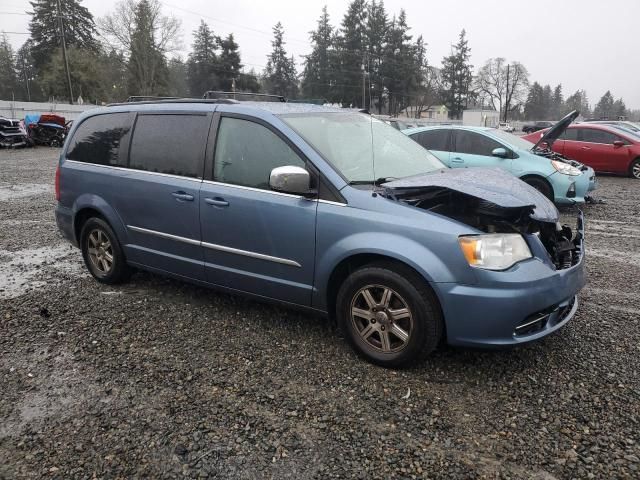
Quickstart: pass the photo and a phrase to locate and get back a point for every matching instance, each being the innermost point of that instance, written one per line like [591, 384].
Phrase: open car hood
[558, 129]
[492, 185]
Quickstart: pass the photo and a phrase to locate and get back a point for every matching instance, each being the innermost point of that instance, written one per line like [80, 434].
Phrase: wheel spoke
[366, 332]
[92, 251]
[386, 297]
[400, 333]
[399, 314]
[104, 265]
[384, 341]
[371, 303]
[109, 257]
[361, 313]
[93, 238]
[107, 244]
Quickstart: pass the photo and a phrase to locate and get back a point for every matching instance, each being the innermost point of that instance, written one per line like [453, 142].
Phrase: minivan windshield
[362, 148]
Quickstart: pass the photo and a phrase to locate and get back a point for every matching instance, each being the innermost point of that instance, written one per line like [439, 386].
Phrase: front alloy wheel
[389, 313]
[382, 318]
[635, 169]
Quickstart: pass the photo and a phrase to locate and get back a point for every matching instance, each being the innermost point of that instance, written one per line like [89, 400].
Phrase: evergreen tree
[228, 64]
[558, 103]
[604, 108]
[87, 76]
[547, 102]
[248, 82]
[177, 78]
[202, 67]
[8, 75]
[376, 36]
[318, 73]
[534, 105]
[578, 101]
[456, 77]
[619, 109]
[79, 28]
[148, 73]
[280, 73]
[352, 43]
[400, 69]
[114, 75]
[26, 73]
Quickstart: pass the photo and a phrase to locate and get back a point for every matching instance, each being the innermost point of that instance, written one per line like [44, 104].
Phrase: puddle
[24, 270]
[11, 192]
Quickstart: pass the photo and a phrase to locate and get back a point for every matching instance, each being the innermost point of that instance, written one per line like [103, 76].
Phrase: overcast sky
[588, 44]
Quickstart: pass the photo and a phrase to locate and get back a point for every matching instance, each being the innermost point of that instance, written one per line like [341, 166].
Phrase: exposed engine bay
[551, 155]
[562, 245]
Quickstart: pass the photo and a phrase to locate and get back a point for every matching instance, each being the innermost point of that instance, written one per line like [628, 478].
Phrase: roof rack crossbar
[176, 100]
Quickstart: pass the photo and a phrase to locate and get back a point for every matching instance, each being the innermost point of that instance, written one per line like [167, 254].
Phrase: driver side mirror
[291, 179]
[618, 144]
[500, 152]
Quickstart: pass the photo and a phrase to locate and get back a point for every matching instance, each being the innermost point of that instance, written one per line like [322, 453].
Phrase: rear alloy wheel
[389, 314]
[541, 185]
[102, 253]
[634, 170]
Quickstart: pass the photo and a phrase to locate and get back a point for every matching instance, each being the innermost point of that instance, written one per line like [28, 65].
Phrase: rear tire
[634, 169]
[389, 314]
[541, 185]
[102, 252]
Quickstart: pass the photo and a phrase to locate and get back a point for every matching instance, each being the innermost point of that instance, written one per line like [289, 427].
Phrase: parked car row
[558, 178]
[46, 129]
[332, 211]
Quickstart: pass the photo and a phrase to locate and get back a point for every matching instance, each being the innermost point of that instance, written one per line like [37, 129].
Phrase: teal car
[562, 180]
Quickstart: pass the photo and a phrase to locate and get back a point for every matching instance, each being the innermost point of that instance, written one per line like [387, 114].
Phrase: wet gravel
[162, 379]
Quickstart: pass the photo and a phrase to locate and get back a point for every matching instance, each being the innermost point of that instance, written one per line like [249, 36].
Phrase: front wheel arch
[547, 188]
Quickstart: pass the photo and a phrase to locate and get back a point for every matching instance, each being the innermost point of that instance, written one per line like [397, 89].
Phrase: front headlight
[565, 168]
[495, 251]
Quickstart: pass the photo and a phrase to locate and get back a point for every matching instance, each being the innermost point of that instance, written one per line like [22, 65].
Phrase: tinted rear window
[433, 140]
[475, 143]
[172, 144]
[99, 139]
[597, 136]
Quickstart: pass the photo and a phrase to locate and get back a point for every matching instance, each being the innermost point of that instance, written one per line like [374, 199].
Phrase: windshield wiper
[376, 182]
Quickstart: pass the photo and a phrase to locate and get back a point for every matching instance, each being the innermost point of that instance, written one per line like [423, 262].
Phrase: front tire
[389, 314]
[102, 252]
[634, 169]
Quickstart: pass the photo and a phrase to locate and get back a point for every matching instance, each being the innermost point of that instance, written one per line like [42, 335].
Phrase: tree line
[370, 60]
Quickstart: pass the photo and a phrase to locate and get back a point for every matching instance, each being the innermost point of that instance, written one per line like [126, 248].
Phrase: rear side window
[474, 143]
[598, 136]
[433, 140]
[246, 152]
[172, 144]
[570, 134]
[99, 139]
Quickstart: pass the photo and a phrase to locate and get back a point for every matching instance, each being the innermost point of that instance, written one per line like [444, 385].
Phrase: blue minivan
[323, 209]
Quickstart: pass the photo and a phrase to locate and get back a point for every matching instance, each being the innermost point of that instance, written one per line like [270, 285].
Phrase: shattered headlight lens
[565, 168]
[495, 251]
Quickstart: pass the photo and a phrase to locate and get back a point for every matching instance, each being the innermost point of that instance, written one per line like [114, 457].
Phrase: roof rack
[142, 98]
[175, 100]
[243, 96]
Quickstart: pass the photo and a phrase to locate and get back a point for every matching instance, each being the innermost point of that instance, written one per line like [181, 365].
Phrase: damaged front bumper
[525, 303]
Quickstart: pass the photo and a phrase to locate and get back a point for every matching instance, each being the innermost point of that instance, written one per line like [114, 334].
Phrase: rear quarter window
[100, 139]
[170, 143]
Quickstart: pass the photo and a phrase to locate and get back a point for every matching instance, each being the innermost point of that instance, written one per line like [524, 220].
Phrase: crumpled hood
[558, 129]
[490, 184]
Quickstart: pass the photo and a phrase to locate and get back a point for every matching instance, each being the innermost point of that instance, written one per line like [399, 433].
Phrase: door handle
[585, 148]
[183, 196]
[457, 160]
[216, 202]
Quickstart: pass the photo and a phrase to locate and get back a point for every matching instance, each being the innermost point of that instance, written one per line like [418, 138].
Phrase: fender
[432, 268]
[95, 202]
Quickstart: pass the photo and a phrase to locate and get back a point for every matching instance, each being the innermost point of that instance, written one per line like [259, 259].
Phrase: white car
[506, 127]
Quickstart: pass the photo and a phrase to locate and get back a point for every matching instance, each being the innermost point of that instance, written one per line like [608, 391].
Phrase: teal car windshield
[361, 147]
[512, 139]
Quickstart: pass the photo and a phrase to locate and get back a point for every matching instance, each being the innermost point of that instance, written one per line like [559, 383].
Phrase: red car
[603, 147]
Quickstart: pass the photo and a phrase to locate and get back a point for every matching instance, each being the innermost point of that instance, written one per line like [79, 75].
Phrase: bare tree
[140, 31]
[429, 92]
[504, 84]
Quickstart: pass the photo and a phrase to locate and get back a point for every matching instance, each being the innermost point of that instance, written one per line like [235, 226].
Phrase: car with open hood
[607, 148]
[330, 211]
[560, 179]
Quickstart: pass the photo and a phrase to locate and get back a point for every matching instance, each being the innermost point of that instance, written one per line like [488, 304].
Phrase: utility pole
[26, 78]
[64, 52]
[364, 82]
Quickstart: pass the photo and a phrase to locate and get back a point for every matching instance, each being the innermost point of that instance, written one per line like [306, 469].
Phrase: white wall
[20, 109]
[480, 118]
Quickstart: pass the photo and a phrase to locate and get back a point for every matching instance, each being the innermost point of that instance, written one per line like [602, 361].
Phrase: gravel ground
[159, 378]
